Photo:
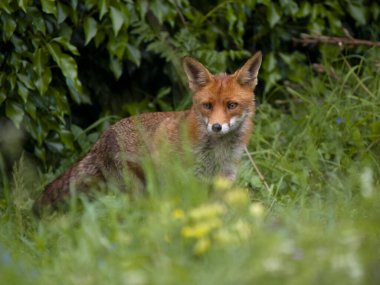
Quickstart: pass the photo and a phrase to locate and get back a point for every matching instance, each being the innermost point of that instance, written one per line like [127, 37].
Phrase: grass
[318, 225]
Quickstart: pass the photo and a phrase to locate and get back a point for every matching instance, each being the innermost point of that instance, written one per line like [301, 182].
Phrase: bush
[122, 57]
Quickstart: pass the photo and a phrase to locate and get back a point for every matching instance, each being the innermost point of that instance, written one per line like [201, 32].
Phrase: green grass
[320, 224]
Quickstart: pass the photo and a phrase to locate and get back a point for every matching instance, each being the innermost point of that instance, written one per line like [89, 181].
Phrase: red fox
[218, 125]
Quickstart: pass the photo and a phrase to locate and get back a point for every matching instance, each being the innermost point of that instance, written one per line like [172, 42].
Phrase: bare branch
[340, 41]
[261, 176]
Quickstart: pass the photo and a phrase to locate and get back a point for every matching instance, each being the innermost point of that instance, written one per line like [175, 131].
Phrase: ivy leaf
[273, 15]
[117, 19]
[49, 7]
[31, 109]
[42, 71]
[74, 4]
[4, 5]
[26, 80]
[22, 4]
[22, 91]
[133, 54]
[116, 67]
[69, 69]
[76, 91]
[38, 23]
[103, 9]
[67, 138]
[90, 29]
[116, 46]
[67, 66]
[9, 26]
[14, 112]
[358, 12]
[40, 152]
[65, 42]
[63, 12]
[2, 96]
[61, 101]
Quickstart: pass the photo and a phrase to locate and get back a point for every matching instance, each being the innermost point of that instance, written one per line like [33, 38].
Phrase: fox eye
[207, 106]
[231, 105]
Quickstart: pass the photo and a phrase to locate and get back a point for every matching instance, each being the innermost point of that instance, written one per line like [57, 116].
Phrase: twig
[340, 41]
[261, 176]
[213, 10]
[180, 14]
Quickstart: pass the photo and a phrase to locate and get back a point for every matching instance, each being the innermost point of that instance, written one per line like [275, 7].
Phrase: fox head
[223, 102]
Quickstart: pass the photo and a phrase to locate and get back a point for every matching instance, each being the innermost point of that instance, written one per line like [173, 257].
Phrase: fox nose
[216, 128]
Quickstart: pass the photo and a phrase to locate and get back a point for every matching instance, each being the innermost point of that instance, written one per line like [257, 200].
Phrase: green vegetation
[316, 140]
[319, 224]
[66, 63]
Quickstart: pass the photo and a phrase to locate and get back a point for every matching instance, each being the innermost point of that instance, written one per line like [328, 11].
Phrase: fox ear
[247, 75]
[197, 74]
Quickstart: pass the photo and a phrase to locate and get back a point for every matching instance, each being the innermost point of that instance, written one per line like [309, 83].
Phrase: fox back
[218, 126]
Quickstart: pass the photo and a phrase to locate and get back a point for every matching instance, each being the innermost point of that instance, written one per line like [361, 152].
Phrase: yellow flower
[237, 197]
[224, 237]
[257, 210]
[197, 231]
[201, 229]
[178, 214]
[222, 183]
[207, 211]
[243, 229]
[202, 246]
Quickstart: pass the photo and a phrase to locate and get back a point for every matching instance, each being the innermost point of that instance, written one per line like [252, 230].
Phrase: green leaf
[22, 91]
[54, 146]
[37, 20]
[3, 96]
[9, 26]
[273, 15]
[90, 29]
[117, 19]
[63, 11]
[49, 7]
[358, 12]
[103, 8]
[133, 54]
[69, 69]
[76, 91]
[61, 101]
[65, 42]
[14, 112]
[304, 10]
[99, 38]
[4, 5]
[31, 109]
[270, 62]
[116, 46]
[67, 66]
[116, 67]
[40, 152]
[67, 138]
[375, 130]
[163, 92]
[26, 80]
[74, 4]
[42, 71]
[23, 4]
